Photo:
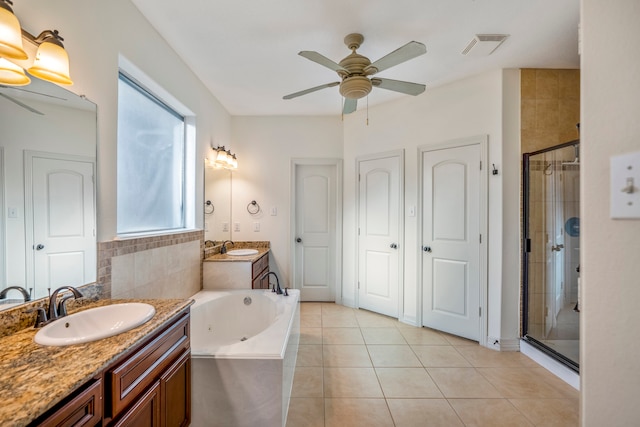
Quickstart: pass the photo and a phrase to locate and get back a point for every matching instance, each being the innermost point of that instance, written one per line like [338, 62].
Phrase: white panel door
[63, 223]
[451, 240]
[379, 232]
[315, 260]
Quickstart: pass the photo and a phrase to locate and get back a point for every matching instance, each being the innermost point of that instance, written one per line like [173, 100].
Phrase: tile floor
[357, 368]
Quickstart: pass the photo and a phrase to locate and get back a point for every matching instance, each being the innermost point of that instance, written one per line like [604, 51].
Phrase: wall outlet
[225, 226]
[236, 226]
[256, 226]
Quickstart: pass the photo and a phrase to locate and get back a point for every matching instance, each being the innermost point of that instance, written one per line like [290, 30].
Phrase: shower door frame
[526, 251]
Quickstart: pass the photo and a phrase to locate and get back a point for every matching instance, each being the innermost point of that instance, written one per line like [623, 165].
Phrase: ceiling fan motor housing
[355, 84]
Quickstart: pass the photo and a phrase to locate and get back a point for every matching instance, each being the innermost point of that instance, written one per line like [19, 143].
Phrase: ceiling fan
[355, 71]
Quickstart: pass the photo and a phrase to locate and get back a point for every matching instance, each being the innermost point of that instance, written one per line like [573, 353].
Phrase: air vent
[484, 44]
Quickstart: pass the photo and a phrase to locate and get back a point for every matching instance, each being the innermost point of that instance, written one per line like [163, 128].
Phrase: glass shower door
[551, 255]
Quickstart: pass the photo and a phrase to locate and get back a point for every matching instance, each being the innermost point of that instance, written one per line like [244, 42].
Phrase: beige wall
[550, 107]
[610, 265]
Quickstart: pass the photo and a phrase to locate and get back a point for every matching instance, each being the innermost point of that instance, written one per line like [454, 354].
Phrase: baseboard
[560, 370]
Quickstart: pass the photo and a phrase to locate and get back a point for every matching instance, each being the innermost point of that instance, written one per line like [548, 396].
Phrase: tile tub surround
[166, 266]
[357, 368]
[34, 378]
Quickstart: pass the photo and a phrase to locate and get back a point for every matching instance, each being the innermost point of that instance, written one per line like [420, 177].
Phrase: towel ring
[253, 207]
[208, 207]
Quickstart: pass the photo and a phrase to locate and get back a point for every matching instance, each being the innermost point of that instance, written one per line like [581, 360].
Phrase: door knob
[426, 248]
[299, 240]
[393, 246]
[40, 247]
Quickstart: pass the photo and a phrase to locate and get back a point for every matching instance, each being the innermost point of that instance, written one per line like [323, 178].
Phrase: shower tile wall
[550, 107]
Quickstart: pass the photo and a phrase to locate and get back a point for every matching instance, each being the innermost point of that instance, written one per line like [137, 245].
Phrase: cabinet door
[175, 390]
[83, 410]
[145, 412]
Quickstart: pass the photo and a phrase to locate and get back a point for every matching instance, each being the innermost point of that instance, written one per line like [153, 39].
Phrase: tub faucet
[60, 310]
[223, 249]
[25, 294]
[276, 287]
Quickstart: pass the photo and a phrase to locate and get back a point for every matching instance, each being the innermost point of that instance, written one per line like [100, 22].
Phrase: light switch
[236, 226]
[225, 226]
[625, 186]
[256, 226]
[274, 211]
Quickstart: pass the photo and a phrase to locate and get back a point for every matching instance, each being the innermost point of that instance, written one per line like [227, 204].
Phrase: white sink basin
[94, 324]
[242, 252]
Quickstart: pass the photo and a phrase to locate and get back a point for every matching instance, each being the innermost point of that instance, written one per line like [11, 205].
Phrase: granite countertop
[246, 258]
[33, 378]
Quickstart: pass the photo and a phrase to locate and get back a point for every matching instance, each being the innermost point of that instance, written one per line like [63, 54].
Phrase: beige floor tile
[367, 319]
[339, 320]
[482, 357]
[407, 383]
[342, 336]
[308, 382]
[309, 355]
[310, 320]
[310, 336]
[351, 382]
[488, 413]
[456, 340]
[565, 389]
[346, 356]
[306, 412]
[521, 383]
[423, 412]
[437, 356]
[423, 336]
[357, 413]
[310, 308]
[383, 336]
[462, 383]
[550, 412]
[387, 356]
[331, 308]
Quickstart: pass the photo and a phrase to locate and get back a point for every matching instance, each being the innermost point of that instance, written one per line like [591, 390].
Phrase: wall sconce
[222, 159]
[50, 61]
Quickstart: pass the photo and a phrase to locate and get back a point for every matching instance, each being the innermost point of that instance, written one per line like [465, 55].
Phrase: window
[151, 162]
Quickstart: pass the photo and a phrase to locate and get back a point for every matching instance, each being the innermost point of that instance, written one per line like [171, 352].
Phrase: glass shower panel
[552, 250]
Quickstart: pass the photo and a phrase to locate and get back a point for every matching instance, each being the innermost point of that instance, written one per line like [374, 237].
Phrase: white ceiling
[246, 51]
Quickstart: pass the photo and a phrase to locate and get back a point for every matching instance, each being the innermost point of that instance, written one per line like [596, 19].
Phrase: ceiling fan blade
[398, 56]
[350, 105]
[399, 86]
[23, 105]
[313, 89]
[322, 60]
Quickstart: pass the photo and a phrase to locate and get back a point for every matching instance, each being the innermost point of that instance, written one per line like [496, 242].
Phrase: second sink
[242, 252]
[94, 324]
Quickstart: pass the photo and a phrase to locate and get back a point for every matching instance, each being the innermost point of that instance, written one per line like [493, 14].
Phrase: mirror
[47, 191]
[217, 203]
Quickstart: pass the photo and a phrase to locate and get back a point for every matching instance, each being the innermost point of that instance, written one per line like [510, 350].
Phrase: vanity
[137, 378]
[229, 271]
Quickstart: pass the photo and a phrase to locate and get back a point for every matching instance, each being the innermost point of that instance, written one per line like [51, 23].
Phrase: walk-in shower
[551, 251]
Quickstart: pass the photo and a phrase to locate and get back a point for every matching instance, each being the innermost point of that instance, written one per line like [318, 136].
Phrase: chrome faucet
[223, 249]
[25, 294]
[276, 287]
[59, 309]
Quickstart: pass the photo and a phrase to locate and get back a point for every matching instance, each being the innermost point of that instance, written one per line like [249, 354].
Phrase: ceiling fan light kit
[354, 71]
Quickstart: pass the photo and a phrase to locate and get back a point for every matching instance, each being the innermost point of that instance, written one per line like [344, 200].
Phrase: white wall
[610, 264]
[265, 147]
[95, 34]
[465, 108]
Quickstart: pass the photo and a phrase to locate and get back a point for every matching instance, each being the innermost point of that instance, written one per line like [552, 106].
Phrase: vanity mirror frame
[21, 122]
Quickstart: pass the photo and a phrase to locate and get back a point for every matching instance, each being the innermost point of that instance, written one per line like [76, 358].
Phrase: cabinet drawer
[129, 379]
[259, 265]
[83, 410]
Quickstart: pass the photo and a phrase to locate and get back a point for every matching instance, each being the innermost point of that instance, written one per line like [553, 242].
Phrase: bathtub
[244, 345]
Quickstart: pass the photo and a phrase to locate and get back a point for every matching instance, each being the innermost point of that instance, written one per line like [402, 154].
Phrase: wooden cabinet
[259, 268]
[84, 408]
[150, 386]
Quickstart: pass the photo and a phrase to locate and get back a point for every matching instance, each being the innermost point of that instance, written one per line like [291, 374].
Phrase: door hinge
[481, 239]
[358, 177]
[358, 285]
[480, 164]
[358, 231]
[479, 311]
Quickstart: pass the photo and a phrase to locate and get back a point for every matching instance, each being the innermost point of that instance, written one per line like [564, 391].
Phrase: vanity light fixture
[222, 159]
[50, 61]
